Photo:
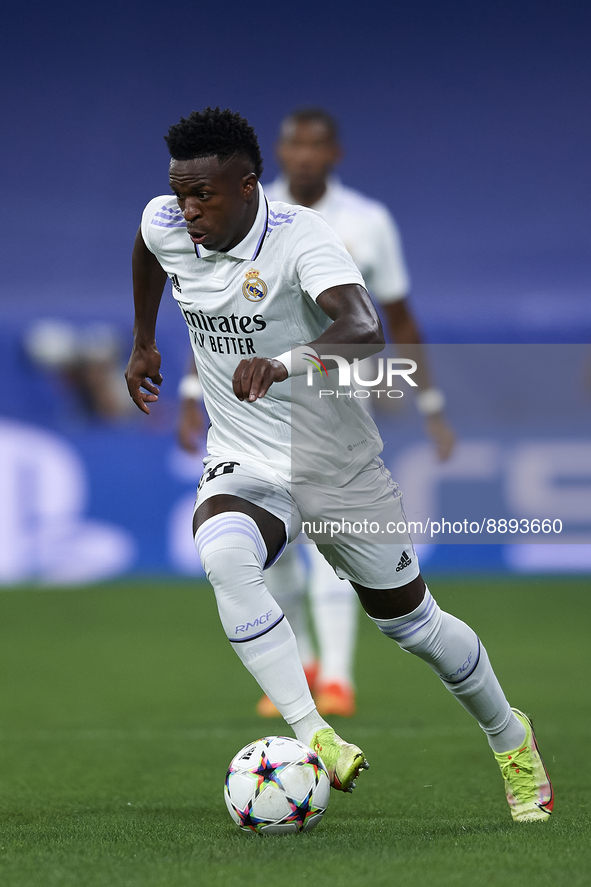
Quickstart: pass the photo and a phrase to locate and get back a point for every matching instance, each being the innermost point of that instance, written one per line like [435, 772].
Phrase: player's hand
[190, 425]
[143, 372]
[253, 377]
[441, 434]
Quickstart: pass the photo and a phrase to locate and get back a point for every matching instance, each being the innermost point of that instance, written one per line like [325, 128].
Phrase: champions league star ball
[276, 786]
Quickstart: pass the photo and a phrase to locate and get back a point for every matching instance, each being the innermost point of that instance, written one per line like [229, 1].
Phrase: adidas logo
[403, 562]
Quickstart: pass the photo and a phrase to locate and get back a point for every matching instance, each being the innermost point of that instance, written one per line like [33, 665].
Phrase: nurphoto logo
[387, 370]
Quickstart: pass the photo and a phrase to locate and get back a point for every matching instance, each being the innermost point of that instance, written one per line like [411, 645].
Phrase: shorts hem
[382, 586]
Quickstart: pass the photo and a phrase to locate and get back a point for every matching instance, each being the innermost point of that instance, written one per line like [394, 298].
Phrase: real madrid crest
[254, 289]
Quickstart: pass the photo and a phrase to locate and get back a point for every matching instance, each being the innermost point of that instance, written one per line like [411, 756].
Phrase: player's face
[218, 200]
[307, 152]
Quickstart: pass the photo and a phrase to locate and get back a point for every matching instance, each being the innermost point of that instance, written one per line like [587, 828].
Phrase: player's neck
[307, 196]
[244, 229]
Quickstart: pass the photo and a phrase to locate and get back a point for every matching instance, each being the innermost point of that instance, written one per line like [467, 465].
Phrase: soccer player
[308, 151]
[262, 286]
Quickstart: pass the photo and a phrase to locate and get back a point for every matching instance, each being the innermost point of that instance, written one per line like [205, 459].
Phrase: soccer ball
[276, 786]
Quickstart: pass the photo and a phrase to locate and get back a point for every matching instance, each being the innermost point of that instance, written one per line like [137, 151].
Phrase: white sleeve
[322, 260]
[388, 280]
[151, 233]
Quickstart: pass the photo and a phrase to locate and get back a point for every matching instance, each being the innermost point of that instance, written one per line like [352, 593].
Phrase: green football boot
[527, 784]
[342, 760]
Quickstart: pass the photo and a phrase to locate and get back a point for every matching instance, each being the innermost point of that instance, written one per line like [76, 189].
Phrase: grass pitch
[121, 706]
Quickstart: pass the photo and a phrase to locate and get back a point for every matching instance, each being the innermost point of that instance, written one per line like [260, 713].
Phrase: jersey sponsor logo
[175, 282]
[254, 289]
[227, 344]
[220, 323]
[200, 325]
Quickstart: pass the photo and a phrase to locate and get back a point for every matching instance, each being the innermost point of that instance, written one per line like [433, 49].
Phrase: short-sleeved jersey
[367, 229]
[259, 299]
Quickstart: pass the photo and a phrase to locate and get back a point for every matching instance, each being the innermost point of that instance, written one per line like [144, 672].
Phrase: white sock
[233, 553]
[509, 738]
[274, 663]
[455, 653]
[286, 580]
[305, 727]
[334, 610]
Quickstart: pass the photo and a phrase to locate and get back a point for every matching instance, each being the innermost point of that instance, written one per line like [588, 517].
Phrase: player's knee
[230, 546]
[417, 630]
[233, 554]
[231, 568]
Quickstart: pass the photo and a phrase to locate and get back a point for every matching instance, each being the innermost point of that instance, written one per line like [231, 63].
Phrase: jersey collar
[250, 247]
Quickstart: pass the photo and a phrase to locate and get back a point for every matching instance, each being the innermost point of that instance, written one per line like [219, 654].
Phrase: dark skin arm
[355, 322]
[143, 368]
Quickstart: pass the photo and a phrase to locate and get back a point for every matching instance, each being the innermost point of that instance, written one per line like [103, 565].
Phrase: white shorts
[256, 484]
[360, 528]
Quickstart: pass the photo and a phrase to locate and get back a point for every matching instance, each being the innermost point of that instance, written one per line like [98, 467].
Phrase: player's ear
[249, 185]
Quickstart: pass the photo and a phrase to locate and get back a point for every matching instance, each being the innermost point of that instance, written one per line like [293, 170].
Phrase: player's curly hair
[214, 133]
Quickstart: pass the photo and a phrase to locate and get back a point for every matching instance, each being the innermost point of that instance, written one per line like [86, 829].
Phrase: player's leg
[287, 581]
[410, 615]
[387, 579]
[386, 576]
[236, 539]
[334, 611]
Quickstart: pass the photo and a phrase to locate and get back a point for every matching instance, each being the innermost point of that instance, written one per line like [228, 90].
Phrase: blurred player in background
[308, 150]
[86, 359]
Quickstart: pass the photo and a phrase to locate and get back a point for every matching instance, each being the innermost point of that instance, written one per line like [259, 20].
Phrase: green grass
[121, 706]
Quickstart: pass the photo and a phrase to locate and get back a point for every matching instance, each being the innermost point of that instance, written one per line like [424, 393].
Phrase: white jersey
[367, 229]
[259, 298]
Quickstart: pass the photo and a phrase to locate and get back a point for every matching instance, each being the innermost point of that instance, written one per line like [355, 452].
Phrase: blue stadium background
[470, 121]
